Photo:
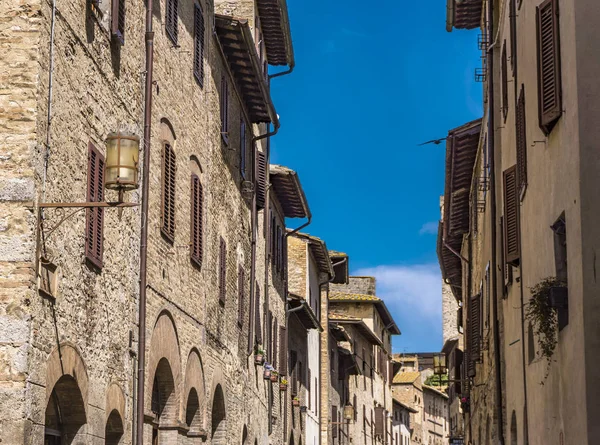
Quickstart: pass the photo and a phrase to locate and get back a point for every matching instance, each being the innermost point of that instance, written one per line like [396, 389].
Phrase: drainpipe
[144, 229]
[491, 139]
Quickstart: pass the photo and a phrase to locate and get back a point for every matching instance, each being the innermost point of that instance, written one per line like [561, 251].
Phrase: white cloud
[412, 291]
[429, 228]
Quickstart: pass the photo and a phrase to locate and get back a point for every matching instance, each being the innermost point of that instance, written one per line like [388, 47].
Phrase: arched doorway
[114, 428]
[219, 420]
[65, 413]
[164, 400]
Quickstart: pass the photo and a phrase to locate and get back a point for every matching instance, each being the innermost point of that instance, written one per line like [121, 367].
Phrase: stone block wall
[356, 285]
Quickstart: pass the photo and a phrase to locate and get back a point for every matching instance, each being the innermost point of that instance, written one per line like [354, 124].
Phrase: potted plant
[296, 401]
[259, 356]
[268, 371]
[274, 376]
[548, 298]
[283, 384]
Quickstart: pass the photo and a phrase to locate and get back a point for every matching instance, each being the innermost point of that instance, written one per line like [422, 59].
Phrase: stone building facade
[68, 333]
[528, 219]
[401, 426]
[435, 416]
[407, 389]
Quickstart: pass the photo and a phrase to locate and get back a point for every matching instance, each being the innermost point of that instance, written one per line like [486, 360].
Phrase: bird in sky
[433, 141]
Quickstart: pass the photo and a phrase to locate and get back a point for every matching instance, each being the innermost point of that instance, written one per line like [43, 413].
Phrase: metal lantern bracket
[77, 206]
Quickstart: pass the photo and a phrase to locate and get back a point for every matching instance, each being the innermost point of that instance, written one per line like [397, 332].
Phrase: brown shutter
[458, 360]
[521, 131]
[355, 407]
[261, 179]
[257, 326]
[199, 31]
[504, 82]
[294, 372]
[224, 109]
[274, 334]
[171, 20]
[308, 389]
[222, 271]
[269, 336]
[118, 20]
[243, 148]
[513, 35]
[196, 221]
[511, 216]
[241, 291]
[475, 326]
[94, 231]
[334, 420]
[549, 70]
[283, 356]
[168, 193]
[379, 421]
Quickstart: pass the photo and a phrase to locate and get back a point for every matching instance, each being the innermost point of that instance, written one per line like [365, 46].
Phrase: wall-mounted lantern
[439, 364]
[348, 412]
[122, 160]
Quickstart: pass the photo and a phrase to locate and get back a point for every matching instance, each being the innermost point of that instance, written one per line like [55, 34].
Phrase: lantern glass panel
[122, 158]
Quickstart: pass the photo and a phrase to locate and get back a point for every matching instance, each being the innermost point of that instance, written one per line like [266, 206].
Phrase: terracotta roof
[342, 297]
[464, 14]
[275, 26]
[319, 250]
[237, 45]
[290, 193]
[410, 409]
[434, 390]
[406, 377]
[461, 151]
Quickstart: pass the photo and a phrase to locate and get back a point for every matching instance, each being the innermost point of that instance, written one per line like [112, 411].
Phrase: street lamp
[122, 156]
[439, 364]
[348, 412]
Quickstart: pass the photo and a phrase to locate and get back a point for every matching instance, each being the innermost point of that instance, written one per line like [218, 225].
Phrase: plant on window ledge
[259, 356]
[544, 318]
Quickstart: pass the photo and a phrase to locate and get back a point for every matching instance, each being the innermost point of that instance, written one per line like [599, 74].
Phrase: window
[261, 180]
[222, 271]
[224, 106]
[512, 245]
[283, 354]
[199, 44]
[521, 131]
[257, 326]
[171, 19]
[196, 221]
[243, 148]
[549, 69]
[117, 25]
[504, 73]
[241, 295]
[94, 221]
[513, 35]
[560, 248]
[168, 192]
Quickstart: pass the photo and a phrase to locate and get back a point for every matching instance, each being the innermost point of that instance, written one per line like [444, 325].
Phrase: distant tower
[449, 304]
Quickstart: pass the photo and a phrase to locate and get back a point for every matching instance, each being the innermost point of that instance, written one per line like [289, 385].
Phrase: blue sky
[370, 85]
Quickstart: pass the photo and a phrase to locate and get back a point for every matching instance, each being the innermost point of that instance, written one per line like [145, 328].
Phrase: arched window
[219, 420]
[113, 431]
[65, 413]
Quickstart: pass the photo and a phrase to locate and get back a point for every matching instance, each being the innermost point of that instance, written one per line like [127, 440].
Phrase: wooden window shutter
[458, 360]
[475, 318]
[294, 372]
[171, 20]
[224, 105]
[117, 25]
[261, 179]
[257, 326]
[94, 230]
[279, 247]
[511, 217]
[168, 193]
[549, 69]
[334, 420]
[521, 130]
[379, 421]
[504, 82]
[355, 407]
[241, 292]
[513, 35]
[243, 148]
[309, 395]
[199, 31]
[196, 221]
[283, 355]
[274, 334]
[269, 336]
[222, 271]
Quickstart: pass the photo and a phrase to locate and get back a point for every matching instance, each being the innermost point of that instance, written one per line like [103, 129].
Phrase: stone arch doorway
[195, 401]
[513, 429]
[113, 432]
[163, 403]
[219, 418]
[65, 413]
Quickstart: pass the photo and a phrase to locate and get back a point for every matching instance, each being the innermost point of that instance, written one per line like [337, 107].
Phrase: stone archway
[66, 396]
[195, 396]
[219, 417]
[113, 432]
[65, 413]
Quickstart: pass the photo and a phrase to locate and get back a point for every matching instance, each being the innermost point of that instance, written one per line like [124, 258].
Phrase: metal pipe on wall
[149, 36]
